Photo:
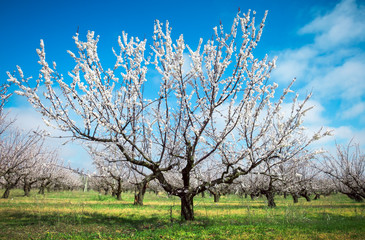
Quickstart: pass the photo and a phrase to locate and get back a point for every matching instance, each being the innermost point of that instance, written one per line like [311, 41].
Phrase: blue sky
[321, 42]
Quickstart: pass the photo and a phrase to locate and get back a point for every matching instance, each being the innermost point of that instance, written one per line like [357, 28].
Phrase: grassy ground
[78, 215]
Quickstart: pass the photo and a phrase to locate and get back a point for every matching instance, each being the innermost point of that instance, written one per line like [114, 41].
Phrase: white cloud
[341, 135]
[314, 121]
[346, 81]
[314, 117]
[344, 25]
[344, 134]
[333, 67]
[354, 111]
[27, 119]
[336, 35]
[293, 63]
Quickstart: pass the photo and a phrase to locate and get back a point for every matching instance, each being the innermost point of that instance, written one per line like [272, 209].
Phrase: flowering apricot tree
[346, 169]
[221, 106]
[18, 154]
[4, 98]
[109, 166]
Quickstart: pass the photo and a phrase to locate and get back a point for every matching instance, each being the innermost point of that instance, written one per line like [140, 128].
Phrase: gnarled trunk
[106, 190]
[187, 207]
[295, 197]
[118, 191]
[317, 196]
[355, 197]
[119, 195]
[306, 197]
[139, 194]
[304, 193]
[6, 193]
[252, 196]
[26, 188]
[41, 190]
[217, 197]
[203, 194]
[10, 185]
[270, 199]
[45, 184]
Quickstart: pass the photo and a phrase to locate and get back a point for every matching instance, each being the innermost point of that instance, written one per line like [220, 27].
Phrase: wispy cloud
[332, 66]
[355, 111]
[344, 25]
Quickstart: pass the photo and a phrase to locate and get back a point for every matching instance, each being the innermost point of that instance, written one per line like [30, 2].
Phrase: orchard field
[180, 118]
[89, 215]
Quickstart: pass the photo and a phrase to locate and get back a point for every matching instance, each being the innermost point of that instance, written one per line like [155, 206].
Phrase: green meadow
[79, 215]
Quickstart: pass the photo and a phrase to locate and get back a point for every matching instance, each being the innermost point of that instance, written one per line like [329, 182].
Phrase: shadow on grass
[13, 218]
[48, 225]
[18, 218]
[245, 205]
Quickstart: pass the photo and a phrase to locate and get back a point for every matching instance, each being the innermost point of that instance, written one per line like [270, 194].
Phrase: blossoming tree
[19, 153]
[346, 169]
[221, 106]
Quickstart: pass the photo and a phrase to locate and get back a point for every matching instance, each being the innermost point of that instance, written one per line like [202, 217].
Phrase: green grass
[79, 215]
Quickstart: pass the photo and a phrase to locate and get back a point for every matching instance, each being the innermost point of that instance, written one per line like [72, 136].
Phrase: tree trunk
[119, 195]
[106, 191]
[317, 196]
[307, 198]
[57, 187]
[252, 196]
[217, 196]
[139, 194]
[304, 193]
[41, 190]
[26, 188]
[270, 199]
[119, 190]
[203, 194]
[45, 184]
[187, 207]
[295, 197]
[9, 186]
[6, 193]
[355, 197]
[285, 195]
